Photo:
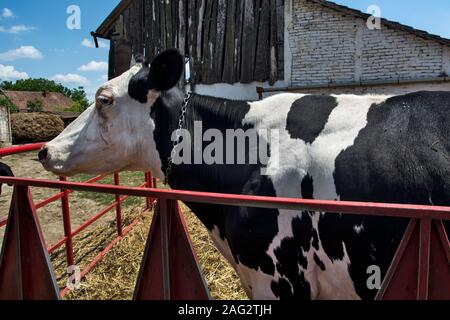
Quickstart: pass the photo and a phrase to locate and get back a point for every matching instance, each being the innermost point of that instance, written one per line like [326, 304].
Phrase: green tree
[40, 84]
[35, 106]
[78, 95]
[8, 103]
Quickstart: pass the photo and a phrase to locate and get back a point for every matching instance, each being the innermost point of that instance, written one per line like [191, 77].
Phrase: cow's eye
[104, 100]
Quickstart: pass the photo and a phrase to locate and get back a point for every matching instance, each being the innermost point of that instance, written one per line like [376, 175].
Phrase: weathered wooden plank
[230, 43]
[175, 22]
[162, 27]
[238, 39]
[181, 8]
[137, 29]
[213, 75]
[111, 60]
[280, 38]
[148, 28]
[220, 39]
[206, 53]
[182, 26]
[192, 36]
[273, 48]
[169, 22]
[201, 7]
[262, 60]
[154, 46]
[248, 43]
[210, 76]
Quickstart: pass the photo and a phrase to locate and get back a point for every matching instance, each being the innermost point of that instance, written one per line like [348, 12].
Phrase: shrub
[7, 103]
[35, 106]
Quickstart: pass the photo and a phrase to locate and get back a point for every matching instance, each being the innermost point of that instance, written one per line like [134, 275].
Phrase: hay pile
[114, 277]
[35, 127]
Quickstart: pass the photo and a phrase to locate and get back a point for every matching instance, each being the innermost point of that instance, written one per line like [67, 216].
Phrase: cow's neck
[214, 113]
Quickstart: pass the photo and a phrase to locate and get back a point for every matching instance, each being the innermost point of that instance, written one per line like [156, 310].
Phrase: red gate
[425, 246]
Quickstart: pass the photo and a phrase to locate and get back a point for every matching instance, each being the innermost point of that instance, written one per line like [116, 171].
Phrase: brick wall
[330, 46]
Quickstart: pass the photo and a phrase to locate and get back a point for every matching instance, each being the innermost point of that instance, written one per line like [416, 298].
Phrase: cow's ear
[166, 70]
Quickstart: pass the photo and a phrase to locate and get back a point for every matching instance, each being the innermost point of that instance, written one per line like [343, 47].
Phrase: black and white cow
[345, 147]
[5, 171]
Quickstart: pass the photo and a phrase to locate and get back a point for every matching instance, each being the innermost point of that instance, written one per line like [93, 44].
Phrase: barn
[237, 48]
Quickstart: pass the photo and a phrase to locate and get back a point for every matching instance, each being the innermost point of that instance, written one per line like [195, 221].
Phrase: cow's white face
[116, 132]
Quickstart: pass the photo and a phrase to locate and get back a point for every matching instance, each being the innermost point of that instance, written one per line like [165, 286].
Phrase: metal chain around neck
[181, 121]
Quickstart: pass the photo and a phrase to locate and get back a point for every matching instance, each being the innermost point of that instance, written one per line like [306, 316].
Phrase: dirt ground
[82, 208]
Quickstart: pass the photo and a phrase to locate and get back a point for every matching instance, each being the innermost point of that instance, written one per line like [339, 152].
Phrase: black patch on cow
[307, 187]
[401, 156]
[248, 231]
[290, 253]
[308, 116]
[319, 262]
[284, 289]
[138, 86]
[281, 289]
[331, 236]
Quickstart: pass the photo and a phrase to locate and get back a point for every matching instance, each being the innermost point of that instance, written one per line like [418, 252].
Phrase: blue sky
[432, 16]
[35, 41]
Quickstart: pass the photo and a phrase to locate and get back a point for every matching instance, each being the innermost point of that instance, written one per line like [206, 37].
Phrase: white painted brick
[328, 45]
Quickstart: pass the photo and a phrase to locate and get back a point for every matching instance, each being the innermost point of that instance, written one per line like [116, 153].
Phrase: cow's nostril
[42, 155]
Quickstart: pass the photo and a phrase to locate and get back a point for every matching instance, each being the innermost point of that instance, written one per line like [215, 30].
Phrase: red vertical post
[169, 268]
[424, 259]
[26, 272]
[148, 183]
[118, 206]
[155, 184]
[67, 224]
[164, 225]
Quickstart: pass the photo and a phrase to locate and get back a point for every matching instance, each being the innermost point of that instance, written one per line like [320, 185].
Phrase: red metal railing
[420, 268]
[63, 195]
[414, 272]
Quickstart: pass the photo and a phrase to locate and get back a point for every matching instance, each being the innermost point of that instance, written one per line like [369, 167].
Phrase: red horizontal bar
[20, 149]
[49, 200]
[3, 222]
[61, 194]
[57, 245]
[376, 209]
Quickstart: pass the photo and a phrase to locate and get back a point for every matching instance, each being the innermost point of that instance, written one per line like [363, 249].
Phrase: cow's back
[356, 148]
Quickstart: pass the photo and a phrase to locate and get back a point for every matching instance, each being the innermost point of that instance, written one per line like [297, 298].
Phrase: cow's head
[116, 133]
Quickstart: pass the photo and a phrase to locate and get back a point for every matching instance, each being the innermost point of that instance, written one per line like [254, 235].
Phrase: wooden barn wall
[226, 40]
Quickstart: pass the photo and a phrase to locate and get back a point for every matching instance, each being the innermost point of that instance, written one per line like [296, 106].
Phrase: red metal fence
[420, 270]
[169, 269]
[64, 196]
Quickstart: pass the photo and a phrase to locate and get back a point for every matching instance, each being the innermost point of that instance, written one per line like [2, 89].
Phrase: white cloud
[24, 52]
[8, 73]
[90, 43]
[103, 78]
[7, 13]
[71, 78]
[94, 66]
[16, 29]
